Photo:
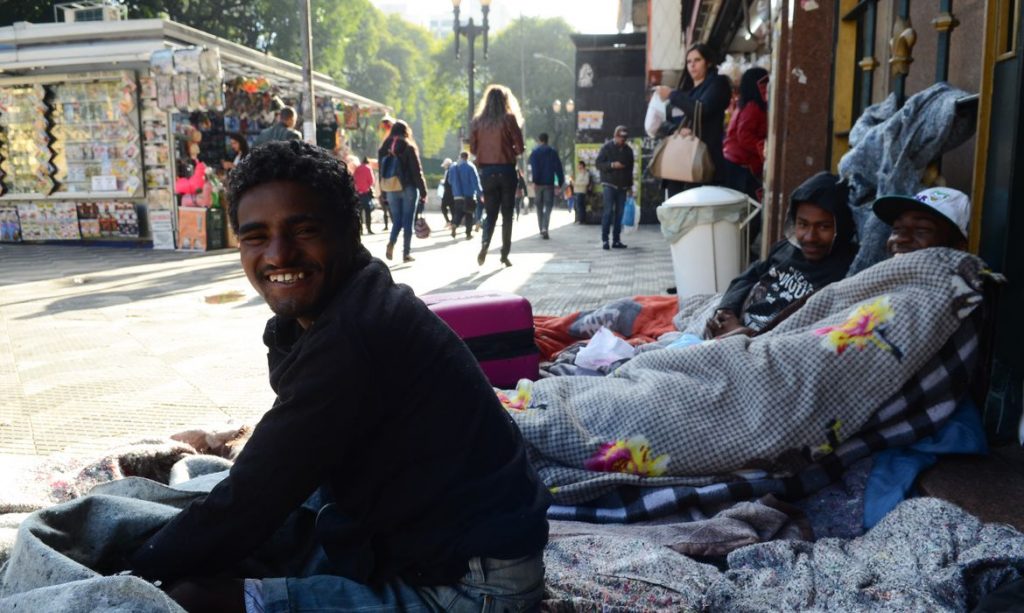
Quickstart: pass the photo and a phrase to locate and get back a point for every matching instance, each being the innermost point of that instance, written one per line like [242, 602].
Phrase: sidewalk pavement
[101, 342]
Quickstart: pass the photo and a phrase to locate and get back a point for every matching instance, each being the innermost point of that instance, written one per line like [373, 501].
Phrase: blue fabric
[488, 170]
[895, 470]
[629, 212]
[464, 180]
[546, 167]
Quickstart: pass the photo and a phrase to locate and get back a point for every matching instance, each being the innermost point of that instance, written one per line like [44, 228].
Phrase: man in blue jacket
[465, 182]
[547, 173]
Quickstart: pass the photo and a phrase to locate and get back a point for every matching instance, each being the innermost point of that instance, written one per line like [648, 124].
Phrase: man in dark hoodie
[414, 500]
[819, 253]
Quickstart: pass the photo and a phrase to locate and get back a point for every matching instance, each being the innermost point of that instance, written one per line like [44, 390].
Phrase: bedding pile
[876, 360]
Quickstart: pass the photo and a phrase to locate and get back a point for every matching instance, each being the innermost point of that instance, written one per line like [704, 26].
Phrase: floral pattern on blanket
[632, 456]
[866, 325]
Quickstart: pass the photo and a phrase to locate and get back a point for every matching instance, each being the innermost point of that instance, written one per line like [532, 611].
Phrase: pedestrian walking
[615, 162]
[583, 186]
[547, 173]
[445, 192]
[496, 139]
[521, 199]
[466, 188]
[364, 182]
[401, 177]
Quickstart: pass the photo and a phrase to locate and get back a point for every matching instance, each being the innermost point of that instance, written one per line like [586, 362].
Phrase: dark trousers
[462, 215]
[614, 203]
[364, 204]
[499, 194]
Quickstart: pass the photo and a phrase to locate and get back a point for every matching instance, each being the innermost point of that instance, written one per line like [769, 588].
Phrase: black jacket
[785, 276]
[382, 405]
[610, 152]
[714, 94]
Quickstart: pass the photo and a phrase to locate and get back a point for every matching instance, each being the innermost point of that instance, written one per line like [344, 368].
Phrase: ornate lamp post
[470, 31]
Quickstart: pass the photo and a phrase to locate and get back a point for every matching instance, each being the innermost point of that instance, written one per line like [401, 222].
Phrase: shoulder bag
[684, 157]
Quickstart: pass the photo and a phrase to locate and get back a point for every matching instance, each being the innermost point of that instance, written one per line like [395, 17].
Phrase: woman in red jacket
[743, 148]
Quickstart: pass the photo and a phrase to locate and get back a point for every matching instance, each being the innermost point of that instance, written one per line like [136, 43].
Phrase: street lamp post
[556, 107]
[470, 31]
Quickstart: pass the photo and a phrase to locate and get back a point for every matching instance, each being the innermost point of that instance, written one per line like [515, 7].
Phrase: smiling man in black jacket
[819, 252]
[412, 499]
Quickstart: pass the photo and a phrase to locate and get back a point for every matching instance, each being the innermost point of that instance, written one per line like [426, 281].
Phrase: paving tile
[102, 342]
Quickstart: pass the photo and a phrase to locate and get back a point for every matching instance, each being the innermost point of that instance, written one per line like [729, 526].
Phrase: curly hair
[301, 163]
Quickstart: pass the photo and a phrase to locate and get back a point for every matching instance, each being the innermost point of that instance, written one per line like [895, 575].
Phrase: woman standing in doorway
[403, 202]
[496, 139]
[701, 84]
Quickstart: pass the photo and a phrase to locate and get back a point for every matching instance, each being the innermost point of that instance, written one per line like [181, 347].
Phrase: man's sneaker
[544, 235]
[605, 246]
[618, 245]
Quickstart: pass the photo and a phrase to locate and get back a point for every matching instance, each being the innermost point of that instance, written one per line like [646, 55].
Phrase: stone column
[799, 128]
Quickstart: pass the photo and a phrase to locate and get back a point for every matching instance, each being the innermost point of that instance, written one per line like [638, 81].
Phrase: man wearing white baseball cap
[935, 217]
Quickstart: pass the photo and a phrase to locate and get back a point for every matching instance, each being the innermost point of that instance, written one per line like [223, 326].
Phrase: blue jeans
[490, 584]
[614, 203]
[403, 209]
[545, 202]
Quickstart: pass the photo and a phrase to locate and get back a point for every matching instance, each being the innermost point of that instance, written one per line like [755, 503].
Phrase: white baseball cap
[949, 203]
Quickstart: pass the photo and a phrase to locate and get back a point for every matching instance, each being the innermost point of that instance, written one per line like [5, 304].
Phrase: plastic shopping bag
[603, 349]
[630, 215]
[655, 115]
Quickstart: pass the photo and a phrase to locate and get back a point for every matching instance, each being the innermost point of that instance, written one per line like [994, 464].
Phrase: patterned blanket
[738, 418]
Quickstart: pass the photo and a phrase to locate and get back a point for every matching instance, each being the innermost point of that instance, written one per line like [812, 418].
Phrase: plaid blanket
[869, 362]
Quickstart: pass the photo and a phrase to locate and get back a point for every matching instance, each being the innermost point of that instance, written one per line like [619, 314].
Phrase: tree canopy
[383, 57]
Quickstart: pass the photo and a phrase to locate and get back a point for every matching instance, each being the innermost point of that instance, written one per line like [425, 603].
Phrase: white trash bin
[702, 226]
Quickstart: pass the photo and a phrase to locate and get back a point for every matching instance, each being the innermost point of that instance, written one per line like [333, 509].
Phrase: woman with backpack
[401, 178]
[496, 139]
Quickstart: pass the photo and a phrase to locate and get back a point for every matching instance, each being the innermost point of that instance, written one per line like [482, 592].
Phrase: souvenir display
[10, 227]
[156, 148]
[26, 158]
[108, 220]
[162, 62]
[164, 91]
[180, 84]
[48, 221]
[97, 137]
[89, 219]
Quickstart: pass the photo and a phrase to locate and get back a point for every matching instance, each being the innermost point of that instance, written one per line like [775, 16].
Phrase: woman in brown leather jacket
[496, 139]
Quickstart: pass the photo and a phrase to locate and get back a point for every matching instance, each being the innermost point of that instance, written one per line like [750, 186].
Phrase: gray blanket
[926, 555]
[693, 415]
